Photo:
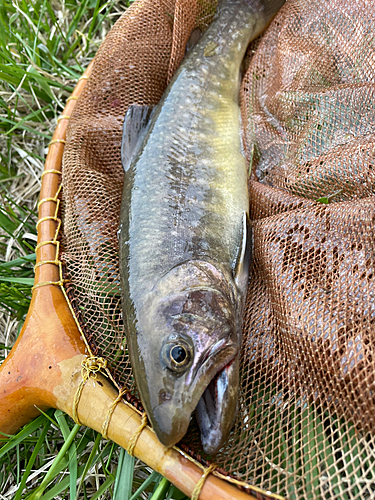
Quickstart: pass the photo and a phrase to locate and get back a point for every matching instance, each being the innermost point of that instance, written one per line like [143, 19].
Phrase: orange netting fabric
[306, 420]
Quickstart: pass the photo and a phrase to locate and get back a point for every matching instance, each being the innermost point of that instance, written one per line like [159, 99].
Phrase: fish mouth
[217, 407]
[215, 403]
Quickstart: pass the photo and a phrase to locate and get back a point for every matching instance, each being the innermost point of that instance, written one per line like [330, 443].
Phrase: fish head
[187, 349]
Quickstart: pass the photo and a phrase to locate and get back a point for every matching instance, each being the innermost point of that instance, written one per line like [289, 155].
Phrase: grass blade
[21, 281]
[89, 461]
[55, 491]
[103, 488]
[23, 434]
[73, 466]
[18, 262]
[53, 471]
[161, 490]
[152, 478]
[32, 460]
[124, 476]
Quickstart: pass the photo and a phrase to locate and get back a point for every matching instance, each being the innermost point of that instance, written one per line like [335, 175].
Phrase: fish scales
[190, 188]
[182, 236]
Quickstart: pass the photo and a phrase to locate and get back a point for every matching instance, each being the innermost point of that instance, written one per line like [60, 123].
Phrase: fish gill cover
[305, 424]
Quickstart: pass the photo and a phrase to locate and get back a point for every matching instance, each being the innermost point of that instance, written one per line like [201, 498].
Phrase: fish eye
[177, 355]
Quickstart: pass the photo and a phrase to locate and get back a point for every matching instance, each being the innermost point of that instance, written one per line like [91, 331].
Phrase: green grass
[44, 48]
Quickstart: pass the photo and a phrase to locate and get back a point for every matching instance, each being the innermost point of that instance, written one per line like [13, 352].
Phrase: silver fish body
[184, 238]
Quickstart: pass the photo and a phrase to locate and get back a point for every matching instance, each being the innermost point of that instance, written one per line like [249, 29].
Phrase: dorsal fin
[241, 269]
[136, 123]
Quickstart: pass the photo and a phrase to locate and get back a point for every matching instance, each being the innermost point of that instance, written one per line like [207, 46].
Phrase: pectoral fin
[241, 270]
[136, 123]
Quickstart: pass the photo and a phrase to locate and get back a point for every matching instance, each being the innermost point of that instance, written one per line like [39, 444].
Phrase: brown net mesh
[307, 408]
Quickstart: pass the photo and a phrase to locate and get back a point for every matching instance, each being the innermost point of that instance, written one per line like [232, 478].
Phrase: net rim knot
[110, 411]
[90, 366]
[198, 487]
[133, 440]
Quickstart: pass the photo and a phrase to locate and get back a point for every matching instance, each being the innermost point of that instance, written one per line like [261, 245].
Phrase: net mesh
[307, 406]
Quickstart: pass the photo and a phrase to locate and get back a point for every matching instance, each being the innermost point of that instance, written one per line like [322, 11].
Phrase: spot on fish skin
[164, 396]
[210, 49]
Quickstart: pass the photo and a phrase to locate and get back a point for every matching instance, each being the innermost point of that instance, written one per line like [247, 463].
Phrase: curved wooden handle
[49, 335]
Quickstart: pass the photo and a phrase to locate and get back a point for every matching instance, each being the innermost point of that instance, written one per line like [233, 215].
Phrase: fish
[185, 239]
